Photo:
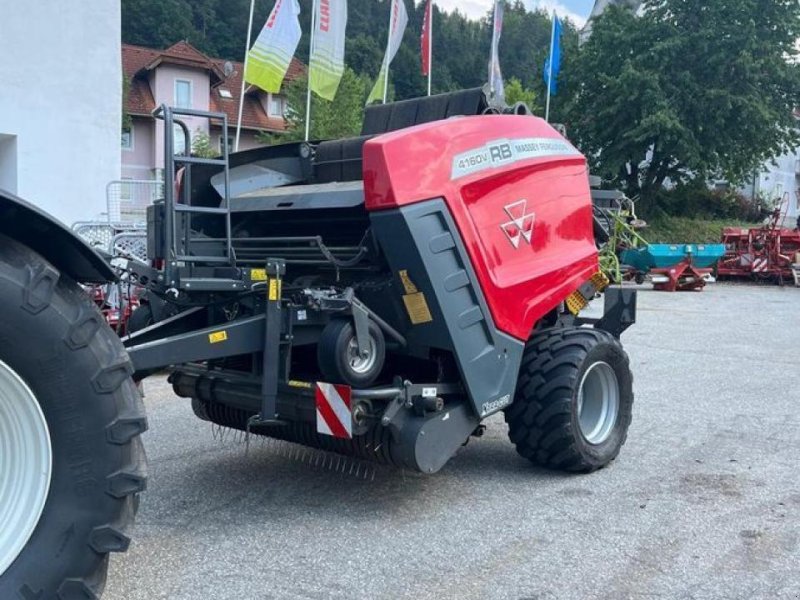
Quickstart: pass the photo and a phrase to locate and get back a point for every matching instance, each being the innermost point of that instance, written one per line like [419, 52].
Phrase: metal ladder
[178, 211]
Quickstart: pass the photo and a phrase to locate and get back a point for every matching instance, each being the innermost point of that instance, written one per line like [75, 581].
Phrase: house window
[275, 106]
[180, 139]
[127, 138]
[183, 93]
[231, 143]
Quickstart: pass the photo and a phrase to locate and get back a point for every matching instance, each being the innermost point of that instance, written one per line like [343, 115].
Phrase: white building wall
[60, 103]
[781, 181]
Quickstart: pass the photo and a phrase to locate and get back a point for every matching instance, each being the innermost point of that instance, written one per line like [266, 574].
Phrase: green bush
[700, 202]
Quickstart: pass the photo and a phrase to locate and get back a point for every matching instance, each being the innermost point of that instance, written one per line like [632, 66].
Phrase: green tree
[201, 145]
[515, 92]
[329, 120]
[690, 90]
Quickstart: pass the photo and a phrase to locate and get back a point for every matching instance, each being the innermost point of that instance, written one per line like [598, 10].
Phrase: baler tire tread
[542, 418]
[98, 475]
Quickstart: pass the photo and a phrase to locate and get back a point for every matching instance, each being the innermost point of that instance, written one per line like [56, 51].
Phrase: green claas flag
[269, 58]
[398, 19]
[326, 64]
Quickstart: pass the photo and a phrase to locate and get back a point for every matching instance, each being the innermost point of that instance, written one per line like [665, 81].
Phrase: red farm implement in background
[767, 252]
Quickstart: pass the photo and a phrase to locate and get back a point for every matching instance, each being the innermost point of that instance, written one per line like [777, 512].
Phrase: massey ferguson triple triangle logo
[521, 224]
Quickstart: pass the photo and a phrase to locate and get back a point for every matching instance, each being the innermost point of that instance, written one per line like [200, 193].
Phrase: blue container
[663, 256]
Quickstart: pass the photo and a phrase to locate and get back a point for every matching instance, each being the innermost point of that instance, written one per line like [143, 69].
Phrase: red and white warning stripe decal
[334, 417]
[760, 265]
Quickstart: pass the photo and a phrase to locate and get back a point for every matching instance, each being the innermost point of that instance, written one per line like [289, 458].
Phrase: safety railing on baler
[178, 207]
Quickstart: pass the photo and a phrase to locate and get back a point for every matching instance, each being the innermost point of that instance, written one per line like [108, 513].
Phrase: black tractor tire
[334, 349]
[55, 340]
[544, 418]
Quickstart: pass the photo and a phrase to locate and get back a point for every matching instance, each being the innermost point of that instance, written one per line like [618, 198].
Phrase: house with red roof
[182, 76]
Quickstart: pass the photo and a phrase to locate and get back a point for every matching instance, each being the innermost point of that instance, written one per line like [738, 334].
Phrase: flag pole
[430, 49]
[494, 33]
[244, 68]
[310, 54]
[550, 74]
[386, 55]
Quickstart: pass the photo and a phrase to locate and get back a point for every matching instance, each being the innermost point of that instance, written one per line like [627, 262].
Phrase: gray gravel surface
[703, 502]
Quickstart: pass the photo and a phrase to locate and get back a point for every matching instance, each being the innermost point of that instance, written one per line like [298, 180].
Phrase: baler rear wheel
[72, 463]
[574, 400]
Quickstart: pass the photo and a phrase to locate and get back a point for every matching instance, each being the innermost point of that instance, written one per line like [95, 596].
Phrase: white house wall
[61, 102]
[781, 181]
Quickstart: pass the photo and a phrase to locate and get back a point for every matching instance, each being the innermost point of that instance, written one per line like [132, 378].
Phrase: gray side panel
[423, 240]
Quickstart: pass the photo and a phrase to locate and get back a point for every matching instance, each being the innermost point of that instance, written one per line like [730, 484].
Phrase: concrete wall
[61, 101]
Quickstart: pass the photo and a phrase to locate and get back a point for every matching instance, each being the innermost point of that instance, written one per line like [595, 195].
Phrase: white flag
[495, 76]
[327, 55]
[398, 19]
[269, 58]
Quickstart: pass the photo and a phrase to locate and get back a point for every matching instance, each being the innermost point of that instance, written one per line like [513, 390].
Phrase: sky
[576, 10]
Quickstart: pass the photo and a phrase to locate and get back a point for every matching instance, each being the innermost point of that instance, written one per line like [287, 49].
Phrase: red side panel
[519, 194]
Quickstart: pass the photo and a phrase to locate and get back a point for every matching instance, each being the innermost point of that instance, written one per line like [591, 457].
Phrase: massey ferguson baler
[381, 296]
[377, 297]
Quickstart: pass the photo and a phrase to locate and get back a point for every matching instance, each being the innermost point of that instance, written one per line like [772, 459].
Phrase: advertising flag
[327, 53]
[398, 19]
[552, 64]
[495, 75]
[269, 58]
[425, 40]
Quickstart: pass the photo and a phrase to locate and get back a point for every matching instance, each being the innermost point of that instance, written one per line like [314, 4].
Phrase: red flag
[425, 40]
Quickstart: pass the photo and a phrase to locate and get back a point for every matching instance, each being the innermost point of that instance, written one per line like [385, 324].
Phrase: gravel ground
[703, 502]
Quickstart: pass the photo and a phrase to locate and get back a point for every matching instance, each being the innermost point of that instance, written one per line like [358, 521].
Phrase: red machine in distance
[765, 253]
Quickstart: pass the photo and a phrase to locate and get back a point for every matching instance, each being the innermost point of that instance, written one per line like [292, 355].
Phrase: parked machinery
[377, 297]
[762, 253]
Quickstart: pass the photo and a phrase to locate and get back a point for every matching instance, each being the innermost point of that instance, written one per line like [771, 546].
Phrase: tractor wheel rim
[361, 364]
[598, 403]
[26, 464]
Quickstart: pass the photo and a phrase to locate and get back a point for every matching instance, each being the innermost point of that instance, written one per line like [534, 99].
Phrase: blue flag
[554, 58]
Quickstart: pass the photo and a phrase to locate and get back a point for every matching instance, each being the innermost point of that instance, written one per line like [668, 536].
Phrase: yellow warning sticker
[408, 285]
[217, 337]
[258, 274]
[417, 308]
[300, 384]
[274, 289]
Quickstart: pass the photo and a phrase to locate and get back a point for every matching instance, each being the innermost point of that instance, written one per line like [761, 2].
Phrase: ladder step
[196, 160]
[205, 210]
[203, 259]
[211, 285]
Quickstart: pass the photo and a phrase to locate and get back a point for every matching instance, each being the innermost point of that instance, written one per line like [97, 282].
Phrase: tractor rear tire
[72, 463]
[574, 400]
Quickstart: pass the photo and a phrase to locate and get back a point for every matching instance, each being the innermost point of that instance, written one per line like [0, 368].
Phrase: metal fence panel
[127, 200]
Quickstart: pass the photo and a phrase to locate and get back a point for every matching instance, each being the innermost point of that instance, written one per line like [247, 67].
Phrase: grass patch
[665, 229]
